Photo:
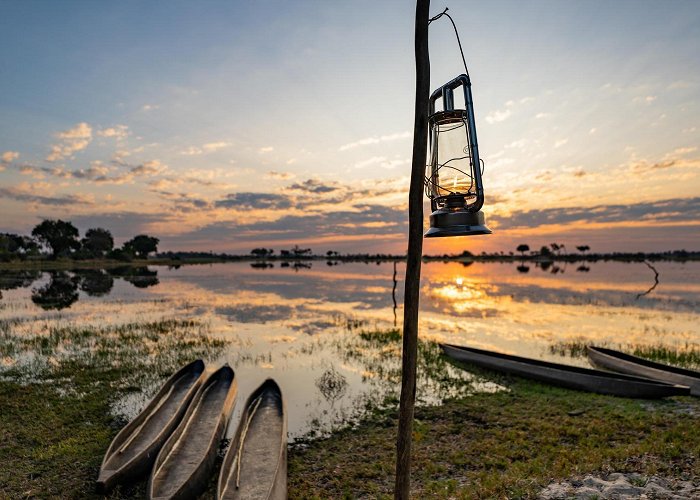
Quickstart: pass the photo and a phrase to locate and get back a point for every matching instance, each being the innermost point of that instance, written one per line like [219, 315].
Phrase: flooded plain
[323, 330]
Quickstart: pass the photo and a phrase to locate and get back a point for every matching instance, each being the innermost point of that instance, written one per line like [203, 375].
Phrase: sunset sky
[224, 126]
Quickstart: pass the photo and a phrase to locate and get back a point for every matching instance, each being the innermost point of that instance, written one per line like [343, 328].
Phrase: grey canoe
[572, 377]
[255, 466]
[626, 363]
[135, 447]
[186, 462]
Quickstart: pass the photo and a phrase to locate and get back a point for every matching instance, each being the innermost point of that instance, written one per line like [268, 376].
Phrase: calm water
[300, 325]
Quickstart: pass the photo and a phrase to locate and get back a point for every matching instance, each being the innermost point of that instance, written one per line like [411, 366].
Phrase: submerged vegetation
[61, 390]
[58, 389]
[501, 444]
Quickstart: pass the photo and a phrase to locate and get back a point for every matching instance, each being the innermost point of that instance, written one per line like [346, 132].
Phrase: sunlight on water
[310, 328]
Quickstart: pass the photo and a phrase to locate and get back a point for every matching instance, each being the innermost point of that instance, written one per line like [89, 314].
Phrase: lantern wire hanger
[454, 26]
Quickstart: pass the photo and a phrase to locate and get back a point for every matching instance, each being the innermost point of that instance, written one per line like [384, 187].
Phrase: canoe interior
[260, 448]
[645, 362]
[185, 461]
[572, 377]
[627, 363]
[138, 443]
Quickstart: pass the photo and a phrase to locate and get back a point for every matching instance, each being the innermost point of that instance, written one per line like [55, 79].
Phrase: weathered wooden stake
[402, 486]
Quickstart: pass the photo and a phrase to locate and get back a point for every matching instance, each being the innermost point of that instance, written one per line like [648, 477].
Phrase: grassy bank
[57, 392]
[504, 445]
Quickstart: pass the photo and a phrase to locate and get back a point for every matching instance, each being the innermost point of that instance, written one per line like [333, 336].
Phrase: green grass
[504, 445]
[57, 420]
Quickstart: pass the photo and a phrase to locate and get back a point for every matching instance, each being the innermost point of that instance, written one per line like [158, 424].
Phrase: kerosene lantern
[453, 183]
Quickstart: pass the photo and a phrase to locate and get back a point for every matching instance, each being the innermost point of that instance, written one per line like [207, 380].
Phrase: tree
[545, 251]
[299, 252]
[262, 252]
[98, 242]
[523, 248]
[60, 236]
[557, 247]
[583, 248]
[141, 245]
[13, 246]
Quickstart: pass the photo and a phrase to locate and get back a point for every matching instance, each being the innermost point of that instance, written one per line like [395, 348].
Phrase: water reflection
[11, 279]
[332, 385]
[311, 327]
[60, 292]
[140, 277]
[454, 288]
[95, 282]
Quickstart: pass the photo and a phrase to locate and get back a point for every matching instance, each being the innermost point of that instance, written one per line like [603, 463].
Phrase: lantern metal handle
[446, 92]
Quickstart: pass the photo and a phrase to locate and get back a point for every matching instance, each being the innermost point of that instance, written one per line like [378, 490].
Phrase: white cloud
[560, 143]
[149, 107]
[593, 130]
[684, 151]
[382, 162]
[209, 147]
[501, 162]
[498, 116]
[645, 100]
[542, 115]
[118, 132]
[376, 140]
[80, 131]
[72, 140]
[191, 151]
[279, 175]
[9, 156]
[265, 149]
[149, 168]
[215, 146]
[370, 161]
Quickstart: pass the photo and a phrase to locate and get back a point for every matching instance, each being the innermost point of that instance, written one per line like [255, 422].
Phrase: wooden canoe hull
[571, 377]
[186, 462]
[260, 443]
[134, 449]
[626, 363]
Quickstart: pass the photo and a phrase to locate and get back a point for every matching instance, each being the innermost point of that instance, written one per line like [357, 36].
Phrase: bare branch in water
[656, 281]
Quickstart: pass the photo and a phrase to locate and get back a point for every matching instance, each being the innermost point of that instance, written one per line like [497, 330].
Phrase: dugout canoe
[134, 449]
[255, 466]
[611, 359]
[186, 461]
[572, 377]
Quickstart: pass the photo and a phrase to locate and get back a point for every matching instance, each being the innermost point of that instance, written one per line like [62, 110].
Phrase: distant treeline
[55, 238]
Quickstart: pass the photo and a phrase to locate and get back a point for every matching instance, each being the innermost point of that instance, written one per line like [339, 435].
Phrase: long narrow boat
[255, 466]
[186, 461]
[135, 447]
[572, 377]
[626, 363]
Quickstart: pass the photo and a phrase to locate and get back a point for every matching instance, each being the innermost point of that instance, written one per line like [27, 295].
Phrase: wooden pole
[402, 486]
